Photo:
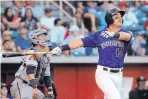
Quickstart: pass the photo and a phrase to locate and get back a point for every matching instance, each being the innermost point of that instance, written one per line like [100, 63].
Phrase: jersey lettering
[119, 52]
[112, 43]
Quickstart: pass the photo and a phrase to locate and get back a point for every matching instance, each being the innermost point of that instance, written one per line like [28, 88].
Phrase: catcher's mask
[109, 15]
[34, 37]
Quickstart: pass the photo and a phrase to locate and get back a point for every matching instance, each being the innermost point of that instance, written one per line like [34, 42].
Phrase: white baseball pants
[110, 83]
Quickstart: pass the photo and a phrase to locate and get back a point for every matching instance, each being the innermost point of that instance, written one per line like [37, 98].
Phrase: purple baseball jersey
[111, 50]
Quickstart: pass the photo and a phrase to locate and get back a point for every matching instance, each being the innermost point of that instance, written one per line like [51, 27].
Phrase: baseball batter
[34, 69]
[112, 44]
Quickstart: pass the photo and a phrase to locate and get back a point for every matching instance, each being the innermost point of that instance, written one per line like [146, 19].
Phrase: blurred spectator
[146, 86]
[0, 40]
[90, 19]
[29, 3]
[139, 3]
[145, 2]
[107, 5]
[74, 34]
[4, 92]
[137, 9]
[146, 33]
[91, 8]
[89, 16]
[47, 21]
[80, 6]
[78, 19]
[0, 47]
[11, 21]
[35, 7]
[138, 45]
[6, 46]
[57, 33]
[1, 11]
[102, 23]
[104, 7]
[66, 26]
[30, 21]
[18, 7]
[7, 40]
[2, 27]
[139, 92]
[130, 19]
[67, 9]
[146, 27]
[22, 42]
[89, 22]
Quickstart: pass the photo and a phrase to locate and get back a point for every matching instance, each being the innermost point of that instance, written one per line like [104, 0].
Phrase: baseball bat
[16, 54]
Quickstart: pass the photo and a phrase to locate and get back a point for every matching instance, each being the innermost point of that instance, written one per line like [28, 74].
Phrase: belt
[111, 69]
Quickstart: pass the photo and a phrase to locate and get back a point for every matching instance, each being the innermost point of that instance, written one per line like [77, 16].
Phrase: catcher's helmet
[34, 37]
[110, 13]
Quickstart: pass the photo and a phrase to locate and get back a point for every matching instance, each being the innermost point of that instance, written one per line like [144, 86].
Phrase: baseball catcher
[34, 69]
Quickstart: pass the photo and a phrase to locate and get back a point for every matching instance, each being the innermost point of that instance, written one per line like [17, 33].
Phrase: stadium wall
[77, 80]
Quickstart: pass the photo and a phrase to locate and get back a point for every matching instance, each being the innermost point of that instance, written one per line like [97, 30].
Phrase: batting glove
[56, 51]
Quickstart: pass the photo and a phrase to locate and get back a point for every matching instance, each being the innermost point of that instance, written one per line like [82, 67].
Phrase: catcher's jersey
[40, 62]
[111, 50]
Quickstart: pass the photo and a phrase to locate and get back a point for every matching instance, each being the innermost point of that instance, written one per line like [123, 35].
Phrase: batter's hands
[56, 51]
[35, 93]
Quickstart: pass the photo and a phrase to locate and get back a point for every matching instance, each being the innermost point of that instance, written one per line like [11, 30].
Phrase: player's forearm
[75, 44]
[123, 36]
[66, 53]
[72, 45]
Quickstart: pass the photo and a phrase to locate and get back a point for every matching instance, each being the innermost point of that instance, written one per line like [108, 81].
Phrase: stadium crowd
[18, 18]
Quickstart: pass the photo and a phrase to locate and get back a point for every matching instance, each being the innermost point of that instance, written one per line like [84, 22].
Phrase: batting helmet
[110, 13]
[34, 37]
